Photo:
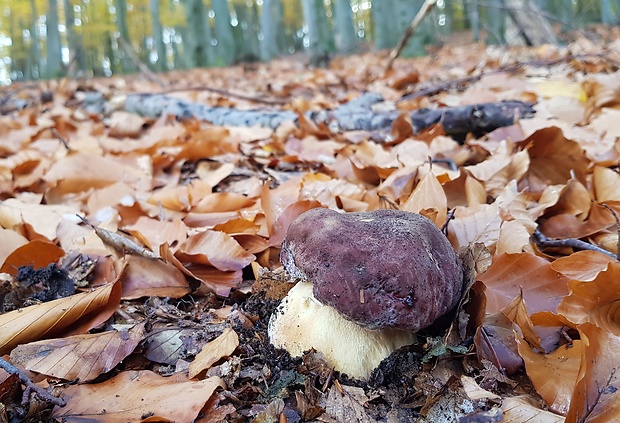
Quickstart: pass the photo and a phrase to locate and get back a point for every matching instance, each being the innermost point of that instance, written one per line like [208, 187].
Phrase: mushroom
[368, 282]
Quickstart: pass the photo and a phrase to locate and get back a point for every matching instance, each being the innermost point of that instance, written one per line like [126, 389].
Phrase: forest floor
[140, 256]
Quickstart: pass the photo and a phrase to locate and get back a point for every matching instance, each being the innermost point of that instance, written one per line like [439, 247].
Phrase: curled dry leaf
[146, 277]
[79, 357]
[212, 351]
[582, 265]
[214, 248]
[595, 302]
[42, 219]
[153, 233]
[70, 315]
[596, 397]
[36, 253]
[543, 288]
[133, 395]
[429, 199]
[523, 409]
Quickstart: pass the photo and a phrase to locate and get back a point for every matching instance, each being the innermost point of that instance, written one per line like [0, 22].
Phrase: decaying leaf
[135, 395]
[79, 357]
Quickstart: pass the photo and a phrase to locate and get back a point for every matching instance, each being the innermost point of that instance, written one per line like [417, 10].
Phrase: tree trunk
[35, 58]
[123, 30]
[54, 52]
[198, 34]
[385, 32]
[346, 37]
[225, 49]
[318, 42]
[271, 20]
[532, 25]
[158, 41]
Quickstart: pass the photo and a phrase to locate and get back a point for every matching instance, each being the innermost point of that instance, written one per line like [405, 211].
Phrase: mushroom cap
[385, 268]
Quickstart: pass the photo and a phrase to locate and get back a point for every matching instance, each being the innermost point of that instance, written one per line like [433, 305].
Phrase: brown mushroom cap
[385, 268]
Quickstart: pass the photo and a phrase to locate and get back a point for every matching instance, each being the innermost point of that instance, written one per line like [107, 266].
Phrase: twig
[60, 138]
[42, 393]
[226, 93]
[543, 242]
[426, 7]
[149, 74]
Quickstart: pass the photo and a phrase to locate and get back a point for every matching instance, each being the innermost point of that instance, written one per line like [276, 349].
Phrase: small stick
[60, 138]
[426, 7]
[42, 393]
[274, 102]
[544, 242]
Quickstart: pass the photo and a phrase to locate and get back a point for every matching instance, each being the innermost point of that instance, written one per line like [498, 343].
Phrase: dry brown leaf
[428, 195]
[606, 184]
[125, 124]
[153, 233]
[11, 240]
[36, 253]
[595, 302]
[582, 265]
[79, 357]
[553, 159]
[517, 313]
[43, 219]
[554, 374]
[543, 288]
[222, 346]
[523, 409]
[214, 248]
[71, 315]
[135, 395]
[146, 277]
[80, 172]
[596, 397]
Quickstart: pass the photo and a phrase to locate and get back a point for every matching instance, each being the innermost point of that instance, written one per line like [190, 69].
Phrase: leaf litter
[140, 256]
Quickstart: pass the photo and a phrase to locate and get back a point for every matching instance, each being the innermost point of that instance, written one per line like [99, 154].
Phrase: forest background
[83, 38]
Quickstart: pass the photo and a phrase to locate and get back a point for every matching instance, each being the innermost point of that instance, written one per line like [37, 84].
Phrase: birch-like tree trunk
[345, 35]
[54, 53]
[198, 34]
[225, 49]
[34, 59]
[318, 35]
[158, 40]
[270, 22]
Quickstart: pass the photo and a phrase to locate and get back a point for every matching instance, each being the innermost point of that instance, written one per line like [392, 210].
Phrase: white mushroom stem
[301, 323]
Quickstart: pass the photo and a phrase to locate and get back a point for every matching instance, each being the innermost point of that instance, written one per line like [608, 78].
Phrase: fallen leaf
[222, 346]
[70, 315]
[134, 395]
[79, 357]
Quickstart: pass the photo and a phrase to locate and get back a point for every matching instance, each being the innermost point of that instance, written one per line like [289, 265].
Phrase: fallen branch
[426, 7]
[30, 386]
[274, 102]
[357, 114]
[543, 242]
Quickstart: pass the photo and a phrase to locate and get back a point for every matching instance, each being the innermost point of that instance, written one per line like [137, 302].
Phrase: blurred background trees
[55, 38]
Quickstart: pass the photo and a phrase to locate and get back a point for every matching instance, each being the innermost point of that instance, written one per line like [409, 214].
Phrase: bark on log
[362, 113]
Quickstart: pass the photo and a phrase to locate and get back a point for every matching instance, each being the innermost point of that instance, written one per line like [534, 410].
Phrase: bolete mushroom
[369, 281]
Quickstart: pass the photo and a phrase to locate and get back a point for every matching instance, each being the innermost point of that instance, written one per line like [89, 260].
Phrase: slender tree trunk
[268, 46]
[198, 34]
[225, 50]
[318, 43]
[35, 57]
[158, 40]
[123, 30]
[346, 37]
[385, 30]
[54, 52]
[474, 18]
